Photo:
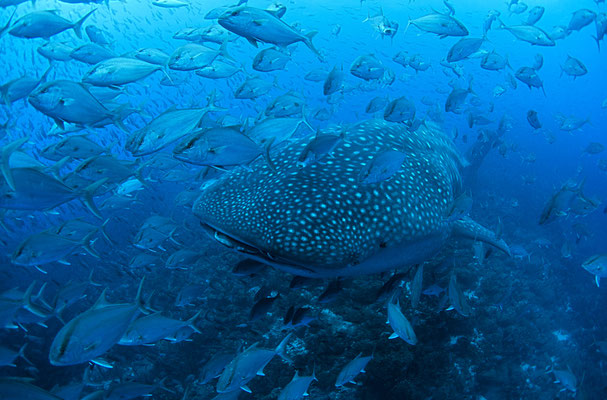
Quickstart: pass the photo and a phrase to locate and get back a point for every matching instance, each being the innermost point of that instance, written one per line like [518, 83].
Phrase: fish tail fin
[223, 51]
[48, 70]
[89, 193]
[165, 70]
[78, 25]
[27, 296]
[139, 175]
[266, 153]
[211, 106]
[161, 385]
[139, 297]
[90, 279]
[598, 43]
[119, 113]
[308, 41]
[282, 347]
[105, 236]
[38, 297]
[468, 228]
[407, 26]
[87, 244]
[5, 155]
[191, 321]
[8, 24]
[4, 94]
[30, 306]
[470, 90]
[55, 168]
[304, 120]
[21, 354]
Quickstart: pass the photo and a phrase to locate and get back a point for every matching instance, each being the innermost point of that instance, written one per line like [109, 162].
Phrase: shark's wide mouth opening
[229, 240]
[254, 252]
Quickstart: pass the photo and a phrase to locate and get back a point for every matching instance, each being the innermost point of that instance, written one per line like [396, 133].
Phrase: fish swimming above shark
[321, 221]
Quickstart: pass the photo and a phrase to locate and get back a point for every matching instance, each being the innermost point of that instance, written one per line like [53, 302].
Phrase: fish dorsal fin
[251, 347]
[101, 301]
[170, 109]
[274, 13]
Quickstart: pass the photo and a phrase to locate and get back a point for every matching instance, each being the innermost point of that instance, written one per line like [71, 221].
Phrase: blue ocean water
[526, 326]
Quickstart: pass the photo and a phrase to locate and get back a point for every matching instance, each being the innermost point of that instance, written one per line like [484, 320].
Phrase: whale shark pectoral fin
[468, 228]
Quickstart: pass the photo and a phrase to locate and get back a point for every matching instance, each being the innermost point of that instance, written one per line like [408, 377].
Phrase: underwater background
[531, 325]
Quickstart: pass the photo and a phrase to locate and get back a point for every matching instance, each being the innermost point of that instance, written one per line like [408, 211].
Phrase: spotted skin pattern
[321, 216]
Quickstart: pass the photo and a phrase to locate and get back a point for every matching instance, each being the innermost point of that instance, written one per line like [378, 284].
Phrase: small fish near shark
[322, 221]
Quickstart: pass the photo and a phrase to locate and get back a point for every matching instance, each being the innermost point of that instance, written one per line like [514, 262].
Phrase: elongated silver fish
[529, 33]
[255, 25]
[44, 24]
[321, 221]
[93, 332]
[442, 25]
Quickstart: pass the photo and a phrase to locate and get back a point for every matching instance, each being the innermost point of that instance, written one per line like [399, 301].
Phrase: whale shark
[326, 218]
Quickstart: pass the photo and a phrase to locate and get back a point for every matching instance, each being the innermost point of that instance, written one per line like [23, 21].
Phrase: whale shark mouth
[251, 251]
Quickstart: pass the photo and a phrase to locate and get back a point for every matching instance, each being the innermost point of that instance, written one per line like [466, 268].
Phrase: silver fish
[367, 67]
[400, 324]
[457, 298]
[530, 34]
[35, 190]
[248, 364]
[17, 389]
[297, 388]
[597, 266]
[352, 369]
[535, 14]
[416, 286]
[44, 24]
[192, 56]
[464, 48]
[152, 328]
[170, 126]
[119, 71]
[47, 247]
[95, 331]
[255, 24]
[270, 59]
[217, 147]
[97, 35]
[573, 67]
[92, 53]
[580, 19]
[442, 25]
[67, 101]
[56, 51]
[529, 76]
